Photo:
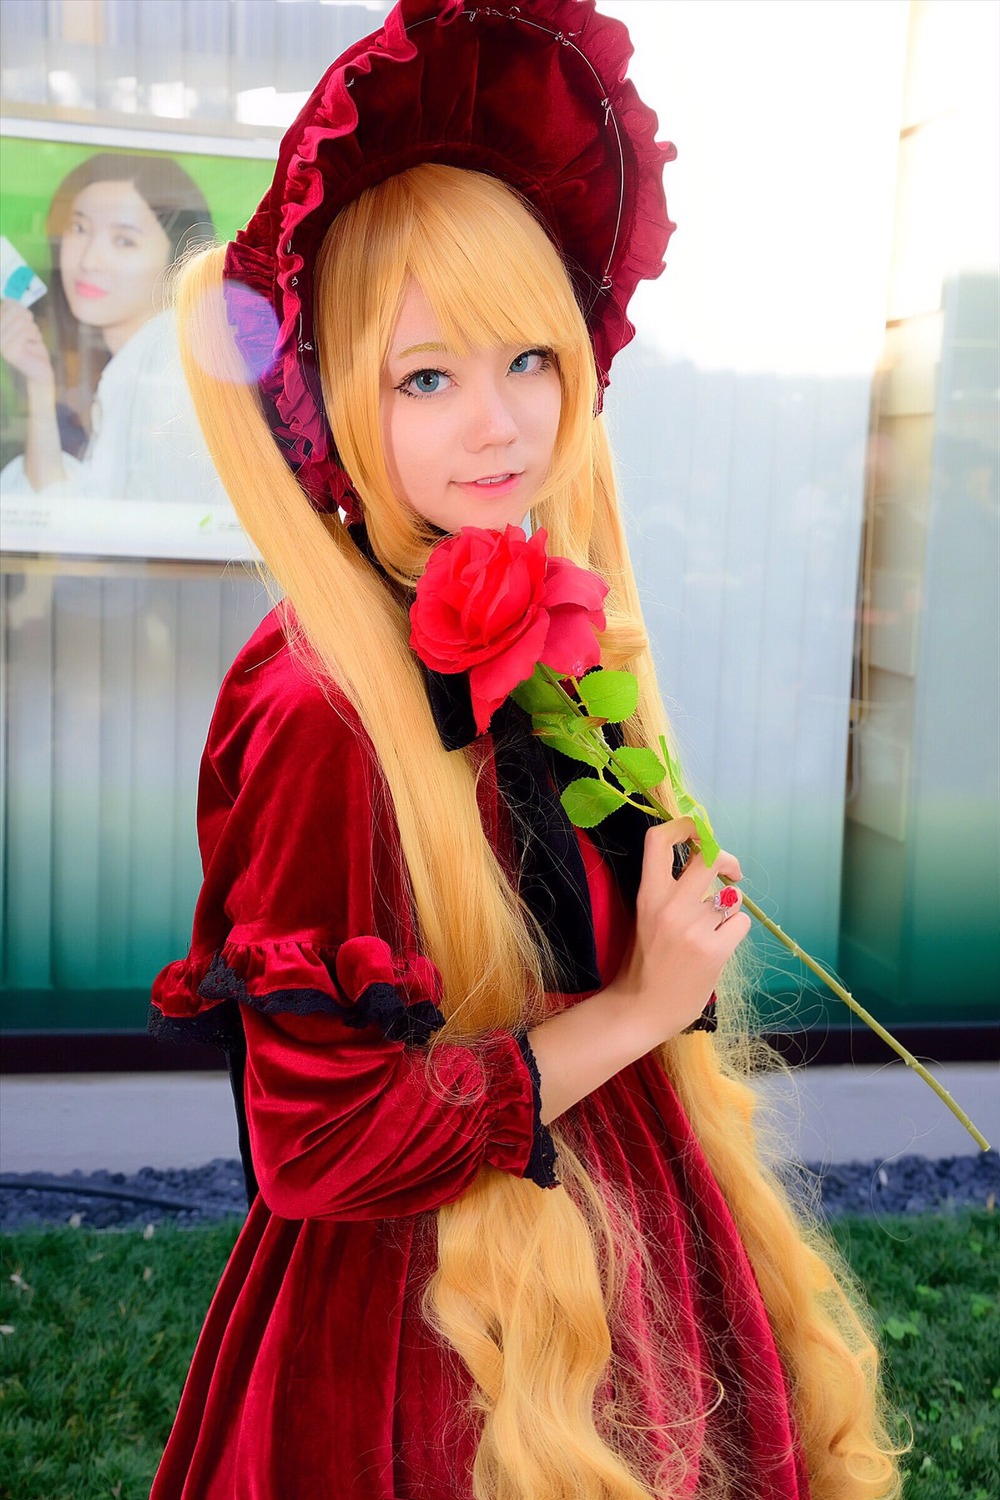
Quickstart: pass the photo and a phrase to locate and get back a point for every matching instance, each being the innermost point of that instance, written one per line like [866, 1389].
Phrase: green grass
[104, 1325]
[934, 1282]
[99, 1328]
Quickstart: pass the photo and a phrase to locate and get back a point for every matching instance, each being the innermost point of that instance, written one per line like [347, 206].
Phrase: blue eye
[423, 383]
[521, 365]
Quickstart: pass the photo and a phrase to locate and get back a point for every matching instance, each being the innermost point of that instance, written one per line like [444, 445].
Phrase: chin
[85, 315]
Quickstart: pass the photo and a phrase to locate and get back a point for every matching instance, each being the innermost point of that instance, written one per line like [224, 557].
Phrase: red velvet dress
[315, 1375]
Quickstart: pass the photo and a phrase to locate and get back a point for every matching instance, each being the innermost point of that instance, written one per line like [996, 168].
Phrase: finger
[730, 934]
[658, 851]
[663, 838]
[13, 315]
[677, 831]
[703, 876]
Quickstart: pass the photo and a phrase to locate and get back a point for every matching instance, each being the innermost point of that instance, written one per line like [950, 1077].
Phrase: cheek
[139, 271]
[401, 463]
[69, 252]
[413, 444]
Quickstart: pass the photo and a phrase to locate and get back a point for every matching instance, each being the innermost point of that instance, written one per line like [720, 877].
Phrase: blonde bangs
[487, 267]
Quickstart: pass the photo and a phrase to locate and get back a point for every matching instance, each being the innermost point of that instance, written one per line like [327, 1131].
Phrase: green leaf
[707, 841]
[575, 746]
[673, 771]
[538, 696]
[571, 720]
[588, 802]
[610, 695]
[644, 768]
[901, 1328]
[564, 722]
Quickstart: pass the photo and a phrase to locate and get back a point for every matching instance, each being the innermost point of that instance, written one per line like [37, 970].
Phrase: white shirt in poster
[146, 447]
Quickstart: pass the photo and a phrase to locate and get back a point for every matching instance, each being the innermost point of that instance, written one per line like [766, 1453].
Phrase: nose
[91, 257]
[491, 422]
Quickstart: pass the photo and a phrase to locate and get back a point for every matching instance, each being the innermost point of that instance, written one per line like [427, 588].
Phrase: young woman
[109, 416]
[510, 1232]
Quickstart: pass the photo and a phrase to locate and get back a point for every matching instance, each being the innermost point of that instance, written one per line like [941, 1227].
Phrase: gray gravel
[111, 1200]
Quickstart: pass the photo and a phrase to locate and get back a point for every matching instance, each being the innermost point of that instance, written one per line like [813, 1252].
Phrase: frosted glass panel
[109, 687]
[741, 415]
[745, 495]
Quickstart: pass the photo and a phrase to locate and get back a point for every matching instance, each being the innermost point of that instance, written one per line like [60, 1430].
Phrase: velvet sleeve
[304, 926]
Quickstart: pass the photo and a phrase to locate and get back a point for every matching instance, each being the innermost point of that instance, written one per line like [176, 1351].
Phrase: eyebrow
[421, 349]
[132, 228]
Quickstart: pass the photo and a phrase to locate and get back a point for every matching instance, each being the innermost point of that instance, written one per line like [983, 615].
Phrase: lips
[491, 484]
[87, 290]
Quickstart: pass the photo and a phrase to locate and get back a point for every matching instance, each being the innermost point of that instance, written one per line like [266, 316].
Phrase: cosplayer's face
[468, 441]
[113, 251]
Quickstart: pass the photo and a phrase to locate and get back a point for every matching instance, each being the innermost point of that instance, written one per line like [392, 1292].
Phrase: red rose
[492, 604]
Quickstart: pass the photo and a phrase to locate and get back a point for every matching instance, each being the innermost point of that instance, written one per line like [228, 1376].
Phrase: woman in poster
[108, 415]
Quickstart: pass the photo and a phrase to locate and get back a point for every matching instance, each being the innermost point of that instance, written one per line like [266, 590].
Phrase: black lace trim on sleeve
[218, 1027]
[378, 1005]
[541, 1168]
[382, 1005]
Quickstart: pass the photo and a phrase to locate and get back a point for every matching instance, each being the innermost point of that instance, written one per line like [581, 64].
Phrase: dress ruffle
[604, 207]
[360, 981]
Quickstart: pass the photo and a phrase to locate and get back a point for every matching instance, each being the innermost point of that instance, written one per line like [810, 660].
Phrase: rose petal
[570, 647]
[492, 681]
[565, 583]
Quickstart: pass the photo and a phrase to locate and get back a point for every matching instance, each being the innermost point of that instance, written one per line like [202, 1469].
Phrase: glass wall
[131, 131]
[921, 915]
[807, 443]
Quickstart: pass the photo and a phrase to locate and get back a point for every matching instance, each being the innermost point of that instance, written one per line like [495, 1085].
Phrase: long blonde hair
[527, 1287]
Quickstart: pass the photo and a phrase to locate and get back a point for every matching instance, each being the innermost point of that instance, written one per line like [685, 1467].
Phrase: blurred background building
[807, 435]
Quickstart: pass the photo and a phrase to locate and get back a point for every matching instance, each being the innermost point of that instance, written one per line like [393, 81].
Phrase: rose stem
[869, 1020]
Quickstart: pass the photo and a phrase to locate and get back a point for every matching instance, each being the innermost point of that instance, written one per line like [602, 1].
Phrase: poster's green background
[30, 172]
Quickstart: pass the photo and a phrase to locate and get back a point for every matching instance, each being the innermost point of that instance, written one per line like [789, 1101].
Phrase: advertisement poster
[100, 450]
